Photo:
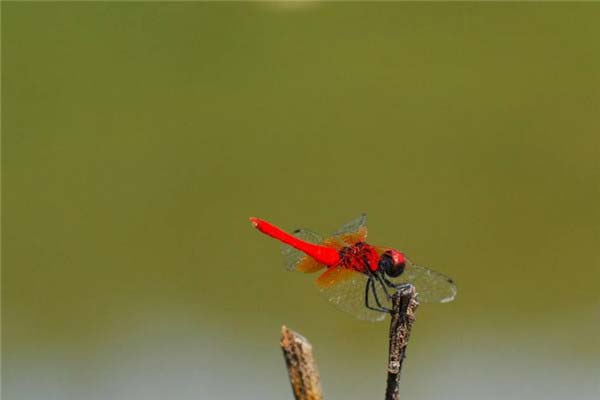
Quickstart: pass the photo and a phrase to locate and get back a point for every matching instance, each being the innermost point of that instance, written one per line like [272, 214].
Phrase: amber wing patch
[334, 276]
[309, 265]
[333, 242]
[354, 237]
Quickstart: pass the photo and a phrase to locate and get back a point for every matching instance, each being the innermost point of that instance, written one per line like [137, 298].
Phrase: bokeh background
[137, 139]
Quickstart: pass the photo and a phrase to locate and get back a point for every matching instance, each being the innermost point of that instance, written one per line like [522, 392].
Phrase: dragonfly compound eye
[391, 266]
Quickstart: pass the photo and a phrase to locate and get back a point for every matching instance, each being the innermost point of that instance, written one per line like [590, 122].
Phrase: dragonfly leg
[396, 286]
[374, 289]
[371, 285]
[384, 283]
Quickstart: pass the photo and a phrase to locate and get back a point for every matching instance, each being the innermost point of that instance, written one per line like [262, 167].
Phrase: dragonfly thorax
[360, 257]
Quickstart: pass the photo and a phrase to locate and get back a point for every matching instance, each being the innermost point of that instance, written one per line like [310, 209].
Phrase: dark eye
[386, 263]
[397, 270]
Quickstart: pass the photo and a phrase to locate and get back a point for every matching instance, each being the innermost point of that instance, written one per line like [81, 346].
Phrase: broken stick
[301, 365]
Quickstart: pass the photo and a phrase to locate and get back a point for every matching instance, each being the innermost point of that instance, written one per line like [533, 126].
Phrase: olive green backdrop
[137, 139]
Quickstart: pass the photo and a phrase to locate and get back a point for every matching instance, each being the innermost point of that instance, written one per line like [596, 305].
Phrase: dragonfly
[357, 277]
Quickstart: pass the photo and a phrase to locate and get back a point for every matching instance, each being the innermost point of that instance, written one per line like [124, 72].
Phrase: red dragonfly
[358, 277]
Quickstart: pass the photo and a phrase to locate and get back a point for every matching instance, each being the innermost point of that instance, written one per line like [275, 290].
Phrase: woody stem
[404, 305]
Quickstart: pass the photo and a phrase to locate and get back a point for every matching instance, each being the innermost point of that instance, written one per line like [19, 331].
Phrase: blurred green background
[137, 138]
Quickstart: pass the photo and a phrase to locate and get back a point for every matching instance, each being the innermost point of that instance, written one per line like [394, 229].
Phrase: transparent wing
[345, 289]
[295, 260]
[353, 231]
[432, 287]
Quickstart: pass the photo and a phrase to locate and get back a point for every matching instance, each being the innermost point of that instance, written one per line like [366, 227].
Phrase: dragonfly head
[392, 262]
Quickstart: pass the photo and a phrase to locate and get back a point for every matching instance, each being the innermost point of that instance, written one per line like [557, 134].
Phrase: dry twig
[301, 365]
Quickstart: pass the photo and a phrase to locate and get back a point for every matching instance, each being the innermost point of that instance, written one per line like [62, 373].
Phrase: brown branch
[301, 365]
[404, 306]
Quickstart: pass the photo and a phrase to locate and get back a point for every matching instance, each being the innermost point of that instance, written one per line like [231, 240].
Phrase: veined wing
[432, 286]
[353, 231]
[346, 289]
